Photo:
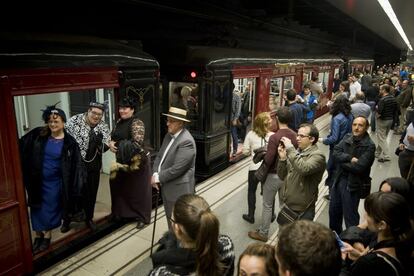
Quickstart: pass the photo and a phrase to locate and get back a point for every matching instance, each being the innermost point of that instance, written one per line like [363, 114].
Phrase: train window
[324, 80]
[185, 95]
[307, 76]
[288, 83]
[275, 93]
[336, 72]
[46, 206]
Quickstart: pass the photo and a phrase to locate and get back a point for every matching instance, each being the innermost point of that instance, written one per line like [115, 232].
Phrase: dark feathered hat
[52, 109]
[127, 102]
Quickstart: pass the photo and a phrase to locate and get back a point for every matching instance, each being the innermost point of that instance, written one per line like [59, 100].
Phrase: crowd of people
[61, 164]
[360, 102]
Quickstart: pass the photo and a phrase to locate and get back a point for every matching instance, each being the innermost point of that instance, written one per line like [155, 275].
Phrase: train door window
[288, 83]
[29, 122]
[336, 72]
[185, 96]
[247, 89]
[275, 95]
[307, 76]
[324, 80]
[220, 105]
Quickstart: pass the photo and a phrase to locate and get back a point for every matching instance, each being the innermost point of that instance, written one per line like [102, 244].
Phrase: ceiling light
[386, 6]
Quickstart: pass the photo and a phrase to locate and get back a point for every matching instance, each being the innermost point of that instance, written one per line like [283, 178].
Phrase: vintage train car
[202, 79]
[355, 64]
[40, 70]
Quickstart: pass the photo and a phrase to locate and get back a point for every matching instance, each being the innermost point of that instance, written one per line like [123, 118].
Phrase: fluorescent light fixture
[386, 6]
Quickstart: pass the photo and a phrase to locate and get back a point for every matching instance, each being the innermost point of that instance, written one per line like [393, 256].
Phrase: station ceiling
[339, 26]
[371, 15]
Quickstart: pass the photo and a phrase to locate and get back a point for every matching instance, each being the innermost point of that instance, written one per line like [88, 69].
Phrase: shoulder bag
[259, 153]
[261, 173]
[287, 215]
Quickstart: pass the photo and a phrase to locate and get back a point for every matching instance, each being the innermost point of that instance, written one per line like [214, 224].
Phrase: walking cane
[155, 220]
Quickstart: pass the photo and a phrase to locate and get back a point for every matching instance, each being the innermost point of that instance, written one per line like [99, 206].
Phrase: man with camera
[301, 171]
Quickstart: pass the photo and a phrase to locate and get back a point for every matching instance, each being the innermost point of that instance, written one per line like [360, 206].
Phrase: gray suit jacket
[178, 168]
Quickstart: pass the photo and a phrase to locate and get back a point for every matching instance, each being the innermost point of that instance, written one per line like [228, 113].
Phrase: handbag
[260, 153]
[261, 172]
[398, 151]
[287, 215]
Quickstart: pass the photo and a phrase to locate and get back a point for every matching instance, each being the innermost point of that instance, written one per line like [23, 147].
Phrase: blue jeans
[235, 138]
[270, 189]
[330, 168]
[343, 203]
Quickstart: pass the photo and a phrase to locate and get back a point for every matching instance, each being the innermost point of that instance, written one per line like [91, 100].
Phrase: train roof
[214, 56]
[39, 51]
[360, 60]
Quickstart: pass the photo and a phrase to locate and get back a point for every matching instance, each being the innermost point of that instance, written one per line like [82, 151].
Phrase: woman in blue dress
[52, 175]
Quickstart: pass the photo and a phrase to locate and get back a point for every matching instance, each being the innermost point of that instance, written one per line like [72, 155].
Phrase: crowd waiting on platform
[61, 165]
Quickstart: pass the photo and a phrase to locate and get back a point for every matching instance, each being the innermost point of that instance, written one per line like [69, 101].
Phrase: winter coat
[356, 173]
[302, 172]
[32, 146]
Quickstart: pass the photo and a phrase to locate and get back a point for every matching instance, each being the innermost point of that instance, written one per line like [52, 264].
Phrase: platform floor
[126, 251]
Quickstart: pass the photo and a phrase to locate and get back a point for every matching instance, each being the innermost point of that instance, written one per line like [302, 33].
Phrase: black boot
[65, 226]
[45, 244]
[249, 219]
[36, 244]
[91, 224]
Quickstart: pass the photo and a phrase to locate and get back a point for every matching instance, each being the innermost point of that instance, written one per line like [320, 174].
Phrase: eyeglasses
[301, 136]
[96, 114]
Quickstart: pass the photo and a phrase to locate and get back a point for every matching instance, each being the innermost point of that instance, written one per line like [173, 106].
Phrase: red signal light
[193, 74]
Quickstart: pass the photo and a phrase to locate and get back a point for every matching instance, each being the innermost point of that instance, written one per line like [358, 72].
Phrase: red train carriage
[41, 70]
[360, 65]
[201, 79]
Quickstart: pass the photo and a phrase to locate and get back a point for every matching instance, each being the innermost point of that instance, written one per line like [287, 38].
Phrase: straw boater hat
[177, 113]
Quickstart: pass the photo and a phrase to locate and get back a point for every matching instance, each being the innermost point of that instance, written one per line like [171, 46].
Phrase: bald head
[360, 96]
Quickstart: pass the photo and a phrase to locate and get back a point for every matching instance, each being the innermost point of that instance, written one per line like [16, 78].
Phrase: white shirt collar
[178, 133]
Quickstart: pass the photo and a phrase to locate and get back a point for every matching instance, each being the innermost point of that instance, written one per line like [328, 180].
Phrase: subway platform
[126, 251]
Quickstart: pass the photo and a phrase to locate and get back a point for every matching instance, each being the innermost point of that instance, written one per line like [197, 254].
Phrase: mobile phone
[340, 242]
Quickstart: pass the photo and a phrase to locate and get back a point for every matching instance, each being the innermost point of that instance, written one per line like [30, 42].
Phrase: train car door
[246, 87]
[25, 95]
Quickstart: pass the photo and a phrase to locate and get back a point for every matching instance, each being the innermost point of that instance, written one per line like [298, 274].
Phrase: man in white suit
[174, 166]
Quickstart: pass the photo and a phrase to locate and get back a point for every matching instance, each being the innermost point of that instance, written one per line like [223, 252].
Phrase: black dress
[131, 190]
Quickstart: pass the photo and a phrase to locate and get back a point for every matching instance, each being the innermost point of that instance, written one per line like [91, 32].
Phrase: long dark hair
[341, 105]
[393, 209]
[202, 227]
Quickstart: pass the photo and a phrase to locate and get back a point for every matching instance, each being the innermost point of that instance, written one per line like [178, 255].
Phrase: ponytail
[202, 229]
[208, 258]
